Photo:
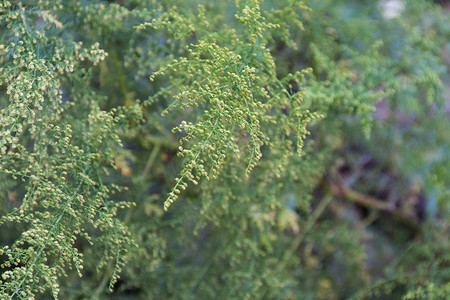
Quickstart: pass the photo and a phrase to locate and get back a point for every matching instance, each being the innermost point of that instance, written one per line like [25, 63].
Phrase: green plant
[260, 118]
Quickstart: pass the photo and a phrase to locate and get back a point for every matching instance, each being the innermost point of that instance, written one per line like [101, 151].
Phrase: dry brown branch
[338, 189]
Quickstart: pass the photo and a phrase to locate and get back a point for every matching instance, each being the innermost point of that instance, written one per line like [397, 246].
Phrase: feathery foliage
[280, 150]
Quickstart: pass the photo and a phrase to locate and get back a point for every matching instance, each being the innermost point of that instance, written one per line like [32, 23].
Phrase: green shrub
[280, 150]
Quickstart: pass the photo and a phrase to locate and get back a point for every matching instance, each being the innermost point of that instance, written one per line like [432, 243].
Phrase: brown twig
[339, 189]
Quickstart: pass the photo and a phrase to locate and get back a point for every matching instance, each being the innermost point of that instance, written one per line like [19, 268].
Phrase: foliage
[247, 167]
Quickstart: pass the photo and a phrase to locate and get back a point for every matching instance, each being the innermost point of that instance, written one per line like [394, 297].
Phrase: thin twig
[338, 189]
[307, 228]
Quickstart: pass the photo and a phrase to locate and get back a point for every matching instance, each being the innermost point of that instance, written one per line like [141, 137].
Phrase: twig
[307, 228]
[120, 76]
[338, 189]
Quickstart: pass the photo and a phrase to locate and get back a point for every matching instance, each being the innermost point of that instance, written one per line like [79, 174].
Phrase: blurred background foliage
[363, 214]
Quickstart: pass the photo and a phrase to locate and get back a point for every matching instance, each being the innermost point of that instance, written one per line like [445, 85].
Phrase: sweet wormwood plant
[229, 83]
[262, 139]
[56, 148]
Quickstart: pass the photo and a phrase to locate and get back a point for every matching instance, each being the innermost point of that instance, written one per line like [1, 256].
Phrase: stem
[148, 167]
[120, 75]
[308, 226]
[101, 287]
[339, 190]
[151, 160]
[148, 140]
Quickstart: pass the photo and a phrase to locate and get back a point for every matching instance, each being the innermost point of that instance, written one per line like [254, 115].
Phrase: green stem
[120, 75]
[309, 225]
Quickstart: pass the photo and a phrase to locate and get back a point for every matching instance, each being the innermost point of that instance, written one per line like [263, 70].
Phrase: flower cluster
[231, 87]
[59, 168]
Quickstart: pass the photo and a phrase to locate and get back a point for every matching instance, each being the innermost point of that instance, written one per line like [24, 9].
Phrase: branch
[339, 189]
